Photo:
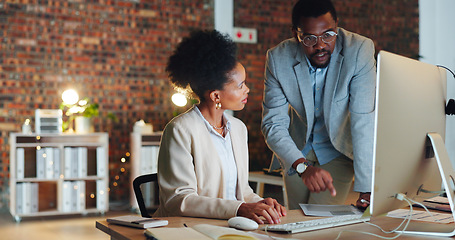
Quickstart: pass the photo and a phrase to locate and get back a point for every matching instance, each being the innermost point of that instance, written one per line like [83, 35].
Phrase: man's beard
[316, 65]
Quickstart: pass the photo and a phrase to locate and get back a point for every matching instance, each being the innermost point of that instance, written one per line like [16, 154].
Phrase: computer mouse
[243, 223]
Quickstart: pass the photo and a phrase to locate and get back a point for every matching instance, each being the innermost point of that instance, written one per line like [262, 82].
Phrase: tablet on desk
[329, 210]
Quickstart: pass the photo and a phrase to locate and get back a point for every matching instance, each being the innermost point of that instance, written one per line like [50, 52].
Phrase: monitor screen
[410, 102]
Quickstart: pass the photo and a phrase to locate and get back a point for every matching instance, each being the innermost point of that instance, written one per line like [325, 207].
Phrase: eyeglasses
[311, 40]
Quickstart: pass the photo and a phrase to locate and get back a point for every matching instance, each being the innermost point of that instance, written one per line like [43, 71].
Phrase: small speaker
[48, 121]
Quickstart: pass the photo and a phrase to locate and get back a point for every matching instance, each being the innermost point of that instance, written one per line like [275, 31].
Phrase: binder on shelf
[82, 161]
[33, 195]
[74, 196]
[67, 162]
[143, 162]
[40, 163]
[57, 161]
[67, 196]
[20, 207]
[20, 163]
[78, 203]
[27, 198]
[101, 191]
[74, 162]
[100, 162]
[49, 162]
[154, 159]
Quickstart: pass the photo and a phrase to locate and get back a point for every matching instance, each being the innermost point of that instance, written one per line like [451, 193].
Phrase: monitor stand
[447, 174]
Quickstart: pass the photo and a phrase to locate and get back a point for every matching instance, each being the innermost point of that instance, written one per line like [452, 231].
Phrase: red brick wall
[114, 52]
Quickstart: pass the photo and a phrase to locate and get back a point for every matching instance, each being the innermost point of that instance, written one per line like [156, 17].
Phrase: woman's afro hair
[202, 61]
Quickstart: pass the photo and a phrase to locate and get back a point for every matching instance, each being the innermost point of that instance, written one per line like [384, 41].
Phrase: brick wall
[114, 52]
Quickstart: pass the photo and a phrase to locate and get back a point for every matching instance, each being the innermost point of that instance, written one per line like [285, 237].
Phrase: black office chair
[137, 191]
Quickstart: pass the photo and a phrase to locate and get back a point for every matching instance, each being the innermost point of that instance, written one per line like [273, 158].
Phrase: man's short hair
[311, 8]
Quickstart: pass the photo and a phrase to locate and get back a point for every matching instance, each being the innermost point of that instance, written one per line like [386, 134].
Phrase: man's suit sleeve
[275, 118]
[361, 107]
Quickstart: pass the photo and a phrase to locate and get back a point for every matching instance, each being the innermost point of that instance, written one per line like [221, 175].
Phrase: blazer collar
[333, 74]
[301, 71]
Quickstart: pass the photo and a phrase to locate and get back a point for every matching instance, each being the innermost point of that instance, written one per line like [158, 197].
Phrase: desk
[260, 178]
[125, 233]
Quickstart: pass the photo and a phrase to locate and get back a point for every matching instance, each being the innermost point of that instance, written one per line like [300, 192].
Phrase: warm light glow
[83, 102]
[70, 97]
[179, 99]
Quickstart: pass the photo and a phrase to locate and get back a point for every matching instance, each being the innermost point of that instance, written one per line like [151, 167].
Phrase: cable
[268, 235]
[448, 69]
[450, 107]
[424, 207]
[407, 219]
[436, 192]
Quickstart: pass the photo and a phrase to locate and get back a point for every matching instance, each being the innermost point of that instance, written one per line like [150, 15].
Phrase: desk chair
[137, 191]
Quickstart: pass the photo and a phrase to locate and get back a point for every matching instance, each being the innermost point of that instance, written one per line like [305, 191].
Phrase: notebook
[137, 221]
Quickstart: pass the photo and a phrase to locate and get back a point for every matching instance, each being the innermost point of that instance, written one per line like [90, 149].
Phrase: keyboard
[316, 224]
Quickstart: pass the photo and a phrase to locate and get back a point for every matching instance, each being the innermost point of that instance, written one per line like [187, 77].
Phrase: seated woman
[203, 157]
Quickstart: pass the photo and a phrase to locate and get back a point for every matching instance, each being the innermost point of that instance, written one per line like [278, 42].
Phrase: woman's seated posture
[203, 157]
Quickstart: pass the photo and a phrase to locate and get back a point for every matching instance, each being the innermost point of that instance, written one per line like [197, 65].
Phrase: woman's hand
[268, 208]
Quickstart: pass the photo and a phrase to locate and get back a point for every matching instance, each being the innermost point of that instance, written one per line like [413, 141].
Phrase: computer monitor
[410, 104]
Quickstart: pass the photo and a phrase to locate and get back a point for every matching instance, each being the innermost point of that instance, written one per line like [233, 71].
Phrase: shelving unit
[58, 174]
[144, 160]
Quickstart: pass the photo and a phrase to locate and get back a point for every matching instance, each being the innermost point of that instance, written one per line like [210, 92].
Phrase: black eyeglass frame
[328, 34]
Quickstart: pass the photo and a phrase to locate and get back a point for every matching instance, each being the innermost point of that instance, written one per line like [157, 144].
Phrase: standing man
[318, 108]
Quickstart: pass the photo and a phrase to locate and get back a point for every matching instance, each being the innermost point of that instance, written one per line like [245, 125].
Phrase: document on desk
[422, 216]
[438, 199]
[329, 210]
[199, 232]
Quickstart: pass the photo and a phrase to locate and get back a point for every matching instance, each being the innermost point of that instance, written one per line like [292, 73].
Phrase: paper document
[329, 210]
[199, 232]
[422, 216]
[438, 199]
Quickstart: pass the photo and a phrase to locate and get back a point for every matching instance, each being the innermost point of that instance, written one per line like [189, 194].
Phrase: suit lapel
[302, 75]
[332, 78]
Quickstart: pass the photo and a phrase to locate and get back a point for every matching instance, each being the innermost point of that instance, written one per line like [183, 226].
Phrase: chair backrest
[137, 191]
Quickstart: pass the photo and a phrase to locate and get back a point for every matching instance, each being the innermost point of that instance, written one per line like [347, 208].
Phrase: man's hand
[318, 180]
[364, 200]
[268, 208]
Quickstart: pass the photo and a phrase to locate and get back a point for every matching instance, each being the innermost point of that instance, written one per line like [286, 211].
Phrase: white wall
[437, 38]
[224, 16]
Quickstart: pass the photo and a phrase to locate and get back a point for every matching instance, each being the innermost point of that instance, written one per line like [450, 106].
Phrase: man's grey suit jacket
[348, 101]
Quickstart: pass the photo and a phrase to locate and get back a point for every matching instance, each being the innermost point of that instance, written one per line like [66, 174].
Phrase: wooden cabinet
[58, 174]
[144, 160]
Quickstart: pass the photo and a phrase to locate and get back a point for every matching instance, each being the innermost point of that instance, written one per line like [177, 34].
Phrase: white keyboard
[316, 224]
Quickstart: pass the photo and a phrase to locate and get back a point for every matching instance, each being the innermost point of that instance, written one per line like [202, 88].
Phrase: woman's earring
[218, 105]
